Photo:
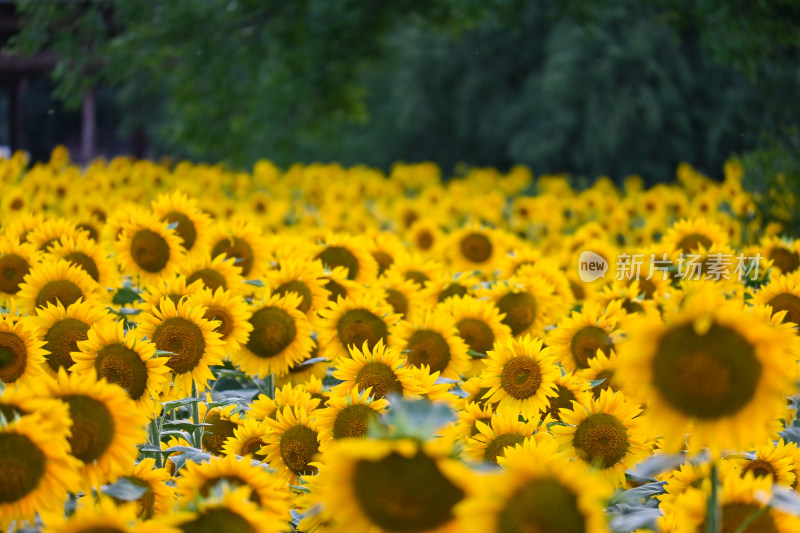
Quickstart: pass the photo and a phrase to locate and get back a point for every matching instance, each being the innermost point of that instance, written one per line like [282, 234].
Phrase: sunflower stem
[154, 438]
[197, 434]
[269, 383]
[750, 519]
[713, 510]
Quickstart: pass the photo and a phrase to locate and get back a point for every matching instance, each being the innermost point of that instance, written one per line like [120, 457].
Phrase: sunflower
[222, 423]
[511, 262]
[124, 358]
[213, 274]
[414, 268]
[19, 228]
[21, 352]
[569, 388]
[244, 243]
[87, 254]
[401, 294]
[465, 426]
[385, 247]
[57, 280]
[360, 318]
[280, 338]
[265, 407]
[230, 310]
[16, 261]
[688, 234]
[192, 225]
[158, 497]
[266, 490]
[503, 429]
[775, 460]
[293, 442]
[521, 376]
[784, 254]
[713, 368]
[62, 329]
[247, 439]
[173, 287]
[444, 286]
[782, 293]
[52, 230]
[106, 425]
[148, 250]
[475, 248]
[381, 370]
[101, 514]
[337, 285]
[604, 434]
[306, 278]
[549, 271]
[581, 336]
[425, 235]
[348, 416]
[350, 252]
[434, 342]
[227, 510]
[191, 340]
[743, 507]
[601, 368]
[36, 468]
[479, 322]
[538, 490]
[314, 367]
[390, 486]
[525, 302]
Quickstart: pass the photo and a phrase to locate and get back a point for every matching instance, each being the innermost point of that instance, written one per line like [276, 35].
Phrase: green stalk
[714, 510]
[198, 432]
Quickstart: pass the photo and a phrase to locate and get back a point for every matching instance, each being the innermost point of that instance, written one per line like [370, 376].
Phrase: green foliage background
[583, 87]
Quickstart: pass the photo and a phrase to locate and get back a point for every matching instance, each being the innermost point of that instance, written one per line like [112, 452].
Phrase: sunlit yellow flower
[475, 248]
[106, 425]
[190, 340]
[158, 498]
[525, 302]
[503, 429]
[347, 415]
[350, 252]
[581, 336]
[90, 256]
[446, 285]
[433, 341]
[230, 311]
[302, 277]
[247, 439]
[293, 442]
[124, 358]
[147, 250]
[244, 243]
[101, 514]
[21, 352]
[222, 423]
[686, 235]
[775, 460]
[380, 369]
[479, 322]
[57, 280]
[175, 288]
[50, 231]
[214, 274]
[569, 388]
[191, 224]
[265, 407]
[16, 261]
[782, 293]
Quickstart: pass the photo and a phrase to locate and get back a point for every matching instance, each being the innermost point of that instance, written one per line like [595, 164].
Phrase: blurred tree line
[580, 86]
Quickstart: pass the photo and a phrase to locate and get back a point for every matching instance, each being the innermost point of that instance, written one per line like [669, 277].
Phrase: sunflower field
[188, 348]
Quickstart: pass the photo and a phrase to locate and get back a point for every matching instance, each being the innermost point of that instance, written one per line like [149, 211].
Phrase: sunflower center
[476, 247]
[586, 342]
[217, 519]
[384, 261]
[150, 251]
[13, 357]
[420, 278]
[476, 333]
[298, 446]
[601, 440]
[13, 270]
[789, 303]
[542, 506]
[424, 240]
[760, 468]
[301, 289]
[210, 278]
[398, 301]
[85, 263]
[735, 514]
[90, 230]
[60, 290]
[693, 241]
[380, 377]
[334, 256]
[578, 292]
[220, 430]
[605, 385]
[93, 427]
[632, 306]
[221, 315]
[497, 447]
[61, 339]
[427, 347]
[22, 466]
[238, 249]
[184, 339]
[400, 493]
[358, 326]
[785, 260]
[233, 481]
[123, 366]
[336, 290]
[563, 400]
[352, 421]
[454, 289]
[706, 376]
[251, 446]
[520, 310]
[185, 228]
[273, 330]
[521, 377]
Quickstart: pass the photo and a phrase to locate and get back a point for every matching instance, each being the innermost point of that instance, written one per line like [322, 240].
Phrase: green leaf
[124, 490]
[184, 425]
[149, 448]
[477, 355]
[254, 282]
[645, 491]
[420, 419]
[174, 404]
[126, 296]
